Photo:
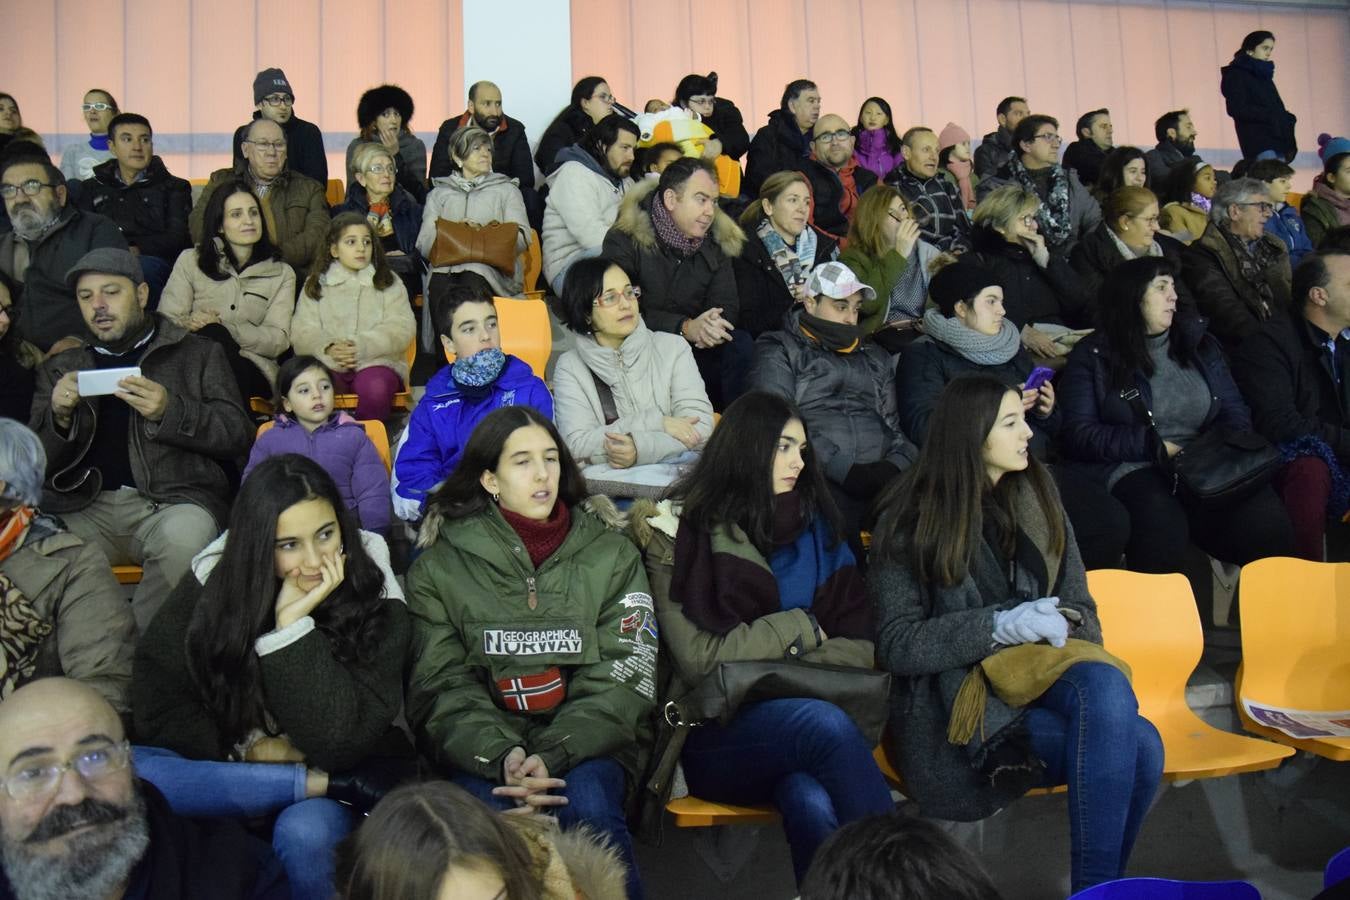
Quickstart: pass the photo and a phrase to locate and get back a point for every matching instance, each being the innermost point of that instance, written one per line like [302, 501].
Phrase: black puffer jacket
[568, 129]
[764, 295]
[1096, 255]
[152, 212]
[674, 287]
[1100, 429]
[728, 127]
[1055, 294]
[47, 308]
[1253, 101]
[847, 399]
[779, 146]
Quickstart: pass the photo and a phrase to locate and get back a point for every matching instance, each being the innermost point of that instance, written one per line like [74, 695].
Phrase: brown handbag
[493, 244]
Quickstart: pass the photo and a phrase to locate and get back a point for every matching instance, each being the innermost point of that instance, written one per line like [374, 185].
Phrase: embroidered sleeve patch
[532, 693]
[639, 636]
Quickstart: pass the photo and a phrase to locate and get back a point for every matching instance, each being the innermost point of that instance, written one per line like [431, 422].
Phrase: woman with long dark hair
[534, 638]
[435, 840]
[234, 289]
[972, 558]
[878, 147]
[1122, 167]
[756, 568]
[1265, 129]
[1182, 378]
[591, 101]
[283, 646]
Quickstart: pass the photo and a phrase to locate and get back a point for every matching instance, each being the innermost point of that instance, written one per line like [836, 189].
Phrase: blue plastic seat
[1338, 869]
[1167, 889]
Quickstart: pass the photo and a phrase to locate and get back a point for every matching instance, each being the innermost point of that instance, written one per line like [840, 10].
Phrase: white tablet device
[99, 382]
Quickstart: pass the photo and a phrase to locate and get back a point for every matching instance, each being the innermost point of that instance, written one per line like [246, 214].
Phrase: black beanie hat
[959, 282]
[378, 99]
[269, 82]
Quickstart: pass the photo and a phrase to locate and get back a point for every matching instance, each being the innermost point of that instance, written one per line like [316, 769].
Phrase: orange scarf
[13, 527]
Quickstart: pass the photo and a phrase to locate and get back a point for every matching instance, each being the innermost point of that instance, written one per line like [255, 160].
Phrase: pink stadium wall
[189, 64]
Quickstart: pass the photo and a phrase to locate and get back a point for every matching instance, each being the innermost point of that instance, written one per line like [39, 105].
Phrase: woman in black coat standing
[1265, 129]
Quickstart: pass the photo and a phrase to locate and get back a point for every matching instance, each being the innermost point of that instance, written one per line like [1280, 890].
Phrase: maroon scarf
[541, 538]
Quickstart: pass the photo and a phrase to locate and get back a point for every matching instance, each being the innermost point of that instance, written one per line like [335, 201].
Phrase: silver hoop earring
[495, 496]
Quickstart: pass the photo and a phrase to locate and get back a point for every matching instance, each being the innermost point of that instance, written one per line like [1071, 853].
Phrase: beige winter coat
[380, 322]
[489, 198]
[255, 305]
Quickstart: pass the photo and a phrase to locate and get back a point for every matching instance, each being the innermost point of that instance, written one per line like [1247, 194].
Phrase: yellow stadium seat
[1294, 200]
[1296, 645]
[534, 264]
[337, 192]
[127, 574]
[375, 430]
[526, 333]
[691, 812]
[1151, 622]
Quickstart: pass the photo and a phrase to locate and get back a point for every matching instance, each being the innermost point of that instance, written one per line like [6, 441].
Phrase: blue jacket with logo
[1287, 225]
[441, 424]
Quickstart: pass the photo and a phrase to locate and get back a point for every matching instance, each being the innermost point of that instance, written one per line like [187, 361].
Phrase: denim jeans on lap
[805, 756]
[306, 833]
[595, 794]
[1088, 730]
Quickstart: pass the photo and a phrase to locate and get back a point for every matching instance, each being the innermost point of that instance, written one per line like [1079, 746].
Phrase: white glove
[1032, 621]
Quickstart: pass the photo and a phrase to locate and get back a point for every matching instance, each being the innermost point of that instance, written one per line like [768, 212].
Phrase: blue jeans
[306, 832]
[806, 756]
[595, 795]
[1088, 730]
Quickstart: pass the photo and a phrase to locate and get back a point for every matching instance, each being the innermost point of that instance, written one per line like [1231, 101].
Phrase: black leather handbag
[1218, 467]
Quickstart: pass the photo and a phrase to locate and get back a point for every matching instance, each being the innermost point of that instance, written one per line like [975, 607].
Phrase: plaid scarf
[669, 232]
[1054, 215]
[1253, 259]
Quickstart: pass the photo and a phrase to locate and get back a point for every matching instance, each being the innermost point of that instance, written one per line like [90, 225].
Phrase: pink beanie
[952, 135]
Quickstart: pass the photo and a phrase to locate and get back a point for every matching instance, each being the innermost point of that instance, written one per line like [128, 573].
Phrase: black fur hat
[378, 99]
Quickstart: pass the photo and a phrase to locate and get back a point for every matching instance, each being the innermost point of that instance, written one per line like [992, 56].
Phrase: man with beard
[510, 146]
[49, 235]
[142, 472]
[1176, 141]
[836, 178]
[76, 824]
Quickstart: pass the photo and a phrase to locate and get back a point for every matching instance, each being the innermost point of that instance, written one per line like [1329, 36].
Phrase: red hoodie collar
[468, 117]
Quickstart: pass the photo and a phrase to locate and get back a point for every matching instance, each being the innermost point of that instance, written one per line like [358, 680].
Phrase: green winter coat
[473, 627]
[1319, 217]
[878, 273]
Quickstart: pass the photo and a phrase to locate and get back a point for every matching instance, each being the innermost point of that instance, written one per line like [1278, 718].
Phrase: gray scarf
[981, 349]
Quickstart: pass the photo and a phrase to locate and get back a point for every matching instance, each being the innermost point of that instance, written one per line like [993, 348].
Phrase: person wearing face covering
[843, 383]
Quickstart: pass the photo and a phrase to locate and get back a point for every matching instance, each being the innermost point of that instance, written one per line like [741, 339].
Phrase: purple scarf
[669, 233]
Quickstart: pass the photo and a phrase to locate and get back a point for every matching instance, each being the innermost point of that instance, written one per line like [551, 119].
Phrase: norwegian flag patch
[532, 693]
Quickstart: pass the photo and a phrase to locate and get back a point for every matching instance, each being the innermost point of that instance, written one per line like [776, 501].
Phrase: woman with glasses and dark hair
[1180, 374]
[1129, 229]
[698, 94]
[269, 682]
[476, 195]
[1239, 274]
[78, 159]
[234, 289]
[624, 395]
[591, 101]
[534, 663]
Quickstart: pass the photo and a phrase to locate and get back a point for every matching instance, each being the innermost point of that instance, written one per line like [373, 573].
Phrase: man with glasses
[1068, 210]
[1238, 273]
[836, 178]
[510, 145]
[274, 100]
[76, 822]
[49, 236]
[294, 206]
[932, 192]
[136, 191]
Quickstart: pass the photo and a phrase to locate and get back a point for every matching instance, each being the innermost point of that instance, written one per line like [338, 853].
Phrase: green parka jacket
[480, 645]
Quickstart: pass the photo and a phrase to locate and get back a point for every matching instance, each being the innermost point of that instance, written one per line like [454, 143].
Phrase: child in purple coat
[310, 427]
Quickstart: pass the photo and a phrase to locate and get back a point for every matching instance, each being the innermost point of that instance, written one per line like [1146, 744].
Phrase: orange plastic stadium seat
[1296, 645]
[1151, 622]
[525, 330]
[337, 192]
[534, 264]
[127, 574]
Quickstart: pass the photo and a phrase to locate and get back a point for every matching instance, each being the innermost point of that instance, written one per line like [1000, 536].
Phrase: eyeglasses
[612, 298]
[382, 169]
[1028, 221]
[835, 137]
[268, 146]
[1147, 220]
[1049, 138]
[279, 100]
[904, 215]
[701, 100]
[32, 187]
[603, 98]
[101, 107]
[1266, 208]
[26, 783]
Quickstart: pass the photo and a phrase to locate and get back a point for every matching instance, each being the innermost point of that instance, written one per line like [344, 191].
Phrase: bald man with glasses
[75, 822]
[837, 181]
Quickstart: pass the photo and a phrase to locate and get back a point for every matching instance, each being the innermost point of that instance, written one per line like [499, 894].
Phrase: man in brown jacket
[294, 206]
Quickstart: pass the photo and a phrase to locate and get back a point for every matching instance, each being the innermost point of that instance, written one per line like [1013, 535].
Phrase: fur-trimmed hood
[577, 864]
[635, 220]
